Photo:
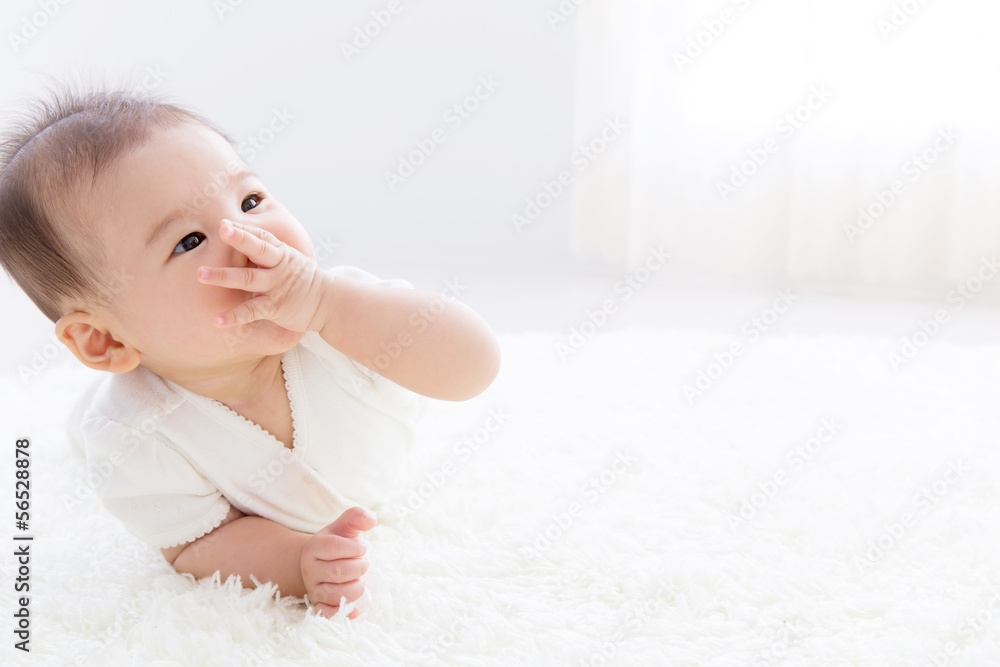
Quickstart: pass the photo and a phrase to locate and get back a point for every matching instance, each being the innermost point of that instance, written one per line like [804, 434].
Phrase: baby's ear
[94, 345]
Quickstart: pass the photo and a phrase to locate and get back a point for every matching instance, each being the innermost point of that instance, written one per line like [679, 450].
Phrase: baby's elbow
[170, 554]
[491, 362]
[483, 371]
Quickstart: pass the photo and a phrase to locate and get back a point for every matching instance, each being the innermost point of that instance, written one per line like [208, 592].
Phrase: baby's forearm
[417, 339]
[248, 545]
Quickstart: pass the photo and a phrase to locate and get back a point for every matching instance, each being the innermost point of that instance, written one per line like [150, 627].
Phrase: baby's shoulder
[137, 400]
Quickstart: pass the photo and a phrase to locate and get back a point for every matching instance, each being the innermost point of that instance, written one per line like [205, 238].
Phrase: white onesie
[173, 462]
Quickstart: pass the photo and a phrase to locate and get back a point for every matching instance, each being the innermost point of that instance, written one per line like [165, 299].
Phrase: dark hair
[62, 144]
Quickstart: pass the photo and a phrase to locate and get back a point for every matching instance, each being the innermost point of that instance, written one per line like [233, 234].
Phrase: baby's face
[157, 211]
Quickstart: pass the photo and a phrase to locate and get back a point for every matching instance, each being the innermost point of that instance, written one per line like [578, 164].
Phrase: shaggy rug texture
[642, 500]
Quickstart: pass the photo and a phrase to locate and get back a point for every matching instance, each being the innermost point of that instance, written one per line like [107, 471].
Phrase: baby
[257, 406]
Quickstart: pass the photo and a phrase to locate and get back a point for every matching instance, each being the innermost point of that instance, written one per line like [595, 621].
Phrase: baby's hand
[287, 286]
[333, 560]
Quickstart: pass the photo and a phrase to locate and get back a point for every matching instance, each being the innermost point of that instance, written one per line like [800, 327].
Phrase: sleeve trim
[178, 537]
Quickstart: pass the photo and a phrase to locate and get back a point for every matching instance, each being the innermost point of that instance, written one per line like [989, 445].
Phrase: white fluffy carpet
[599, 524]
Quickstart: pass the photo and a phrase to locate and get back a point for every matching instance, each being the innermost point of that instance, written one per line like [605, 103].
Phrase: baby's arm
[442, 349]
[326, 565]
[434, 346]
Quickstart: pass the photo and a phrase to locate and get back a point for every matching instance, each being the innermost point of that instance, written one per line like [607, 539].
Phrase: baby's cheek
[299, 240]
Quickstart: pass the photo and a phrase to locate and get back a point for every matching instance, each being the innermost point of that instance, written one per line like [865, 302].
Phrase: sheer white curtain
[894, 111]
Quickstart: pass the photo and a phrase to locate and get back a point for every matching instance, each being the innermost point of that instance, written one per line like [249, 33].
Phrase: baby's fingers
[333, 594]
[260, 245]
[329, 610]
[257, 308]
[249, 280]
[327, 547]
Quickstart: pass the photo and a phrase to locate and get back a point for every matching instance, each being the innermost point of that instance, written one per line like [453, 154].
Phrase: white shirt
[173, 462]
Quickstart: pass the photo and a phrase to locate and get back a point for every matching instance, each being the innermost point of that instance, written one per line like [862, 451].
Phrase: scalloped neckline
[285, 375]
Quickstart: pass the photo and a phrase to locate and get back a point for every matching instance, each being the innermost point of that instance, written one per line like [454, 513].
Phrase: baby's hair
[48, 155]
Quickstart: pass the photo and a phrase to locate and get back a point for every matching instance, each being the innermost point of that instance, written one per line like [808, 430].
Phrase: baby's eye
[253, 201]
[189, 242]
